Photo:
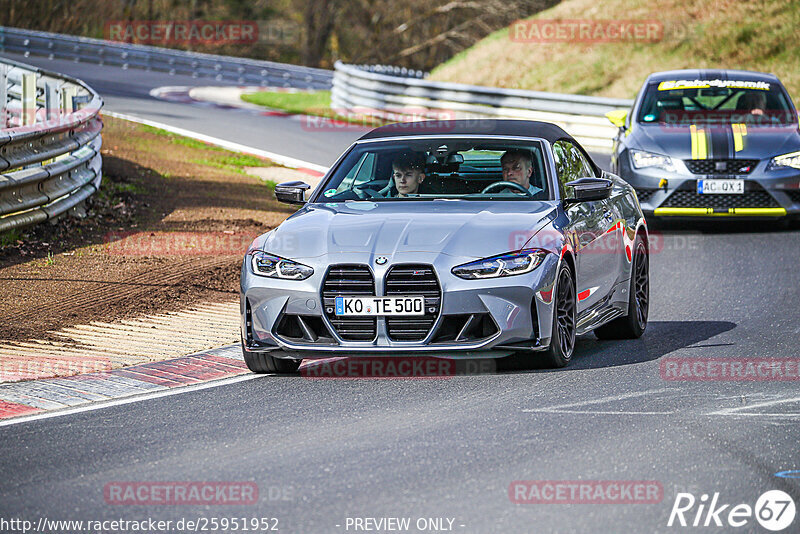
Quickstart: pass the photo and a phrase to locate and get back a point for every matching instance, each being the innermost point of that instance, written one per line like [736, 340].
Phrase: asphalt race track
[127, 91]
[323, 451]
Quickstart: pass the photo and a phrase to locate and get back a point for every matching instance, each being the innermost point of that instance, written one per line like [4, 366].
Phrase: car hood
[472, 229]
[757, 142]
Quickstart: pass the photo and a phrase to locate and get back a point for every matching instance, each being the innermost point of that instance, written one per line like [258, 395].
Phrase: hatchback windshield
[716, 101]
[441, 168]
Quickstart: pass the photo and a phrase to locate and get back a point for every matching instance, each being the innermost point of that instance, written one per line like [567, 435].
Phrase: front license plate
[720, 187]
[380, 305]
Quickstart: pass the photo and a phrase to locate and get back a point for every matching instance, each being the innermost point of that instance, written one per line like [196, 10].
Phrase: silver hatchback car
[455, 239]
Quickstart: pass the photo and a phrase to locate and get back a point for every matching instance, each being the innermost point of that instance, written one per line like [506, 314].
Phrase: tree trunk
[319, 22]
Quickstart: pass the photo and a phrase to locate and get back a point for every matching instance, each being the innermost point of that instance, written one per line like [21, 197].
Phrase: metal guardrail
[125, 55]
[49, 144]
[368, 90]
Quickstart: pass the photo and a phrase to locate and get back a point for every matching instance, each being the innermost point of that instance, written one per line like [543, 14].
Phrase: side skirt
[613, 306]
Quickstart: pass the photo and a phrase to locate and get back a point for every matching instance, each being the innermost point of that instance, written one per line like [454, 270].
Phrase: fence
[49, 144]
[376, 90]
[125, 55]
[381, 91]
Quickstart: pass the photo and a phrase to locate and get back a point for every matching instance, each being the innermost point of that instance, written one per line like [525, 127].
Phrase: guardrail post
[28, 99]
[4, 95]
[67, 104]
[51, 101]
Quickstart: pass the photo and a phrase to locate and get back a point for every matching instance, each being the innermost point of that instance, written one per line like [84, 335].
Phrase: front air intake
[413, 280]
[349, 281]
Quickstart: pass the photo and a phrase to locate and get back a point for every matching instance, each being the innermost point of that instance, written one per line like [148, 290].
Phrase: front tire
[262, 362]
[562, 339]
[633, 325]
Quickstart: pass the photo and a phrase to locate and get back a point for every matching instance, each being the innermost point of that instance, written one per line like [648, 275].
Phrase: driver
[754, 102]
[408, 172]
[518, 168]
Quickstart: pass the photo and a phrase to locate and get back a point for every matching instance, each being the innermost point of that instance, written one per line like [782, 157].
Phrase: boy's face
[407, 180]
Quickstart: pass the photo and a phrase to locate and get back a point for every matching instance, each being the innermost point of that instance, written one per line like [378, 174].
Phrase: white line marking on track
[733, 414]
[729, 412]
[236, 147]
[732, 411]
[131, 399]
[602, 400]
[601, 412]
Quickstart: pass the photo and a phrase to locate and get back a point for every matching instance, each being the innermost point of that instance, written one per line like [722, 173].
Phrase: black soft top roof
[482, 127]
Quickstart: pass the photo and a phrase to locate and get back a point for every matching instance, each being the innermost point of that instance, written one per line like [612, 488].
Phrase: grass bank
[758, 35]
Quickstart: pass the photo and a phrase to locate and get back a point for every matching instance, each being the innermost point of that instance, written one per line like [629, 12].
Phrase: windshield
[441, 168]
[716, 101]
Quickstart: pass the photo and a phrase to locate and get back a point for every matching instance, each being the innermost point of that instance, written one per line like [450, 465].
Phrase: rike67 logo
[774, 510]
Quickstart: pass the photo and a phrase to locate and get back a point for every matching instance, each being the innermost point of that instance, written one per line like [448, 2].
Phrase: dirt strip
[166, 232]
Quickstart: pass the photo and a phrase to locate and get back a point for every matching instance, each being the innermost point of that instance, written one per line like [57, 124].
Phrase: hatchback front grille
[644, 194]
[749, 199]
[721, 166]
[413, 280]
[351, 281]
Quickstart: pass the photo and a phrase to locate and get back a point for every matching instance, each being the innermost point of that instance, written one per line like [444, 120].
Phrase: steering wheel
[366, 193]
[504, 184]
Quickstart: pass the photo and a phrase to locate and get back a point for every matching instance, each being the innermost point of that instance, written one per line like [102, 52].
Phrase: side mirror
[617, 117]
[292, 192]
[587, 189]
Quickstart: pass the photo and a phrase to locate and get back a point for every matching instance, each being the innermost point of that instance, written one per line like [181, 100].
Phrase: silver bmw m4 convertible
[455, 239]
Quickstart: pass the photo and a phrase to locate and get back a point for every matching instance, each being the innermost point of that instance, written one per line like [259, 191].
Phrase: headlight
[504, 265]
[265, 264]
[641, 159]
[787, 160]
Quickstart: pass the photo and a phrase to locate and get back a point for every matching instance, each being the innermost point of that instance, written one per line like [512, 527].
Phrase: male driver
[408, 171]
[752, 101]
[518, 168]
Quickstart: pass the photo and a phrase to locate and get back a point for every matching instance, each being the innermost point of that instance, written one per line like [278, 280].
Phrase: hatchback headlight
[272, 266]
[504, 265]
[641, 159]
[787, 160]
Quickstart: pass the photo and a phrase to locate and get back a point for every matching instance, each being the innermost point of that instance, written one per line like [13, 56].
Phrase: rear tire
[633, 325]
[562, 339]
[262, 362]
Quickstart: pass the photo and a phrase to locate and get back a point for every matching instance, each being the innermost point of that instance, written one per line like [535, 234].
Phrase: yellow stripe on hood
[699, 143]
[739, 133]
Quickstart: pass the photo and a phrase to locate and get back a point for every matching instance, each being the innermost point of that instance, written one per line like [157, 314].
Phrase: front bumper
[768, 193]
[474, 318]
